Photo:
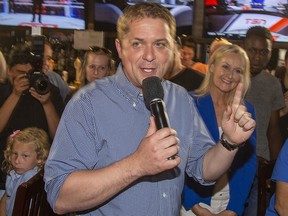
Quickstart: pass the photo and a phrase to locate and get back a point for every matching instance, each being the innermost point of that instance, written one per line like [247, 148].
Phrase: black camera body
[38, 80]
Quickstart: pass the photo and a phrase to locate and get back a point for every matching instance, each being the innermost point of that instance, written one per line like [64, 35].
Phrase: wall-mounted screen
[232, 19]
[108, 12]
[62, 14]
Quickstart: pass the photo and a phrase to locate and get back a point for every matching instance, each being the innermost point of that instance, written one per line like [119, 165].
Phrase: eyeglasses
[100, 49]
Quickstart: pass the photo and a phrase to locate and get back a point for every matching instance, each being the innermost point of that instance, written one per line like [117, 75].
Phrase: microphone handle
[158, 110]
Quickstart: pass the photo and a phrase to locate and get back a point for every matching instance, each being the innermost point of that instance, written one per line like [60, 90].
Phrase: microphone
[153, 96]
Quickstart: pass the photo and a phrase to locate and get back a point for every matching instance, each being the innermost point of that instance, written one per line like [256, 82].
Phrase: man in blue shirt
[279, 202]
[108, 158]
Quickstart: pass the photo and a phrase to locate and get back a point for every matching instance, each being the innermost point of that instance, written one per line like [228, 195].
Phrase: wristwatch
[230, 146]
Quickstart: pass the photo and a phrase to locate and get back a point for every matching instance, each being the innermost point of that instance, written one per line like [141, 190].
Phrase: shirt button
[134, 104]
[164, 195]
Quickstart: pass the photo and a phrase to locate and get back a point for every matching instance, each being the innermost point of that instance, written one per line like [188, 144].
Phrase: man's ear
[8, 71]
[118, 47]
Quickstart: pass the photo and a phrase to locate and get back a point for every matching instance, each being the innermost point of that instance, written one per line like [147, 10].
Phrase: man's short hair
[19, 54]
[259, 31]
[144, 10]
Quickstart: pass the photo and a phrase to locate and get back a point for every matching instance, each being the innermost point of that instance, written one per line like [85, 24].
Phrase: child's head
[25, 150]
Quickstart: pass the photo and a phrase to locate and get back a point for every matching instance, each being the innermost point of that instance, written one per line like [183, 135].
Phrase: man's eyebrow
[21, 71]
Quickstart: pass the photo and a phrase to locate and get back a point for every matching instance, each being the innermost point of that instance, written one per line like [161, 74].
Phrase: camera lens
[42, 86]
[40, 83]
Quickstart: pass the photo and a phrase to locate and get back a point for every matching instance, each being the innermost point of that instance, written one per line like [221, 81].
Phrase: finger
[241, 110]
[152, 127]
[244, 119]
[226, 114]
[237, 96]
[247, 124]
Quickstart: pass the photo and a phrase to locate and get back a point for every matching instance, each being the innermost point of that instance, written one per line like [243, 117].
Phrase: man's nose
[149, 54]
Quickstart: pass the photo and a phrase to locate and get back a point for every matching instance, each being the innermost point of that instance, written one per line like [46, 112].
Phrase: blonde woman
[97, 63]
[228, 67]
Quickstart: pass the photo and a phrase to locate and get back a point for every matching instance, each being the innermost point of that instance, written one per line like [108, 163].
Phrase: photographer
[54, 77]
[21, 106]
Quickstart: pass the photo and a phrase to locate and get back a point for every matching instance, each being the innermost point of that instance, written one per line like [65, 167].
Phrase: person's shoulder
[171, 86]
[55, 78]
[29, 174]
[53, 74]
[95, 87]
[268, 76]
[175, 91]
[285, 146]
[267, 80]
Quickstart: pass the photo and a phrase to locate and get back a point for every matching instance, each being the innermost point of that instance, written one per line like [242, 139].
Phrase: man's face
[47, 59]
[19, 70]
[147, 50]
[259, 52]
[187, 54]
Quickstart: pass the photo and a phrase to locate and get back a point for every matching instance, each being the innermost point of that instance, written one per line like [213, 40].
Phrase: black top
[28, 112]
[189, 79]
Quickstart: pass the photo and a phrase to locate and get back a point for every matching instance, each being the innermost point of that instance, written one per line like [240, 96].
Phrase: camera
[38, 80]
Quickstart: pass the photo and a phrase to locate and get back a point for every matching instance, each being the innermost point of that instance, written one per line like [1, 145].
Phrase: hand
[43, 99]
[200, 211]
[237, 123]
[20, 84]
[155, 149]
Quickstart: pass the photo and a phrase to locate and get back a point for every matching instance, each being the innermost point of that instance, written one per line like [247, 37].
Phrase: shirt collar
[126, 87]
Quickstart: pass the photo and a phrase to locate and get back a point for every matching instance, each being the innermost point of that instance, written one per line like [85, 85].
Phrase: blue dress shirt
[104, 122]
[279, 174]
[12, 183]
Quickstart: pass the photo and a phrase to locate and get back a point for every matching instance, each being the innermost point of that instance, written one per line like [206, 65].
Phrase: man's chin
[255, 70]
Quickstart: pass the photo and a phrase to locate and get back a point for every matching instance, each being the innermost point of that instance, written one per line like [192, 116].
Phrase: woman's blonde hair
[3, 67]
[33, 135]
[218, 55]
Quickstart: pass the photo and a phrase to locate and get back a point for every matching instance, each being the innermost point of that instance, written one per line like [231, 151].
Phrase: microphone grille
[152, 89]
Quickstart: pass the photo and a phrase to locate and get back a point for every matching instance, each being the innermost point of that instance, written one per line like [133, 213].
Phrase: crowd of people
[98, 143]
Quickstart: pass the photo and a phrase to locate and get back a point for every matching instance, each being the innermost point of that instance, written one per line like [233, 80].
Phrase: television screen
[107, 12]
[232, 19]
[62, 14]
